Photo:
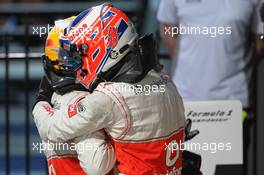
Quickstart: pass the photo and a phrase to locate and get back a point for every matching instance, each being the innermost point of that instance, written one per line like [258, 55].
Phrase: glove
[191, 163]
[188, 133]
[45, 91]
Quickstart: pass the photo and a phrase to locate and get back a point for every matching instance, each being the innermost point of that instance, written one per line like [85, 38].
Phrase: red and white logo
[48, 109]
[73, 108]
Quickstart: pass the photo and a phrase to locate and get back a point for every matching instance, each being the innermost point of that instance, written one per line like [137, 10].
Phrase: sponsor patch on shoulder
[48, 109]
[76, 107]
[80, 107]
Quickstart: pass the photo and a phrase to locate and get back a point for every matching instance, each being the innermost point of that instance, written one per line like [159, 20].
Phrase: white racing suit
[144, 120]
[63, 157]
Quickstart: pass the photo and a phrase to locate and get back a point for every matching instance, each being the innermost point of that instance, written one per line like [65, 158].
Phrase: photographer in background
[213, 64]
